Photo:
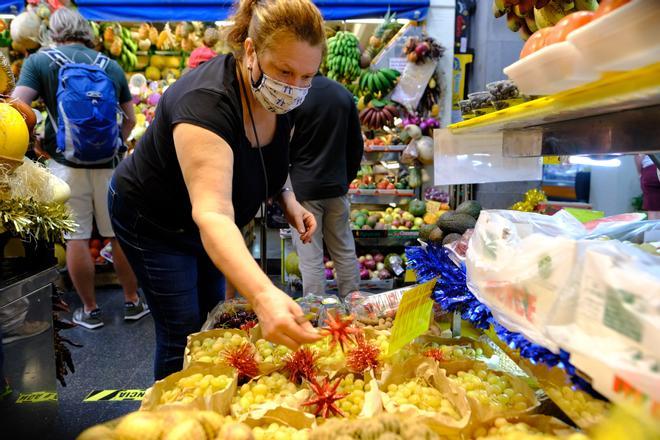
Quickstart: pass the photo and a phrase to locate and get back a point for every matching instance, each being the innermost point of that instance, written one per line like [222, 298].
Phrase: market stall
[493, 324]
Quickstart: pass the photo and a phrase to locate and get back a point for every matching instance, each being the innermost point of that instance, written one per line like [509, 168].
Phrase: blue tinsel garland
[452, 294]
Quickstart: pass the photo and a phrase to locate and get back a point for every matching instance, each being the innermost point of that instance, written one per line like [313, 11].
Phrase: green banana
[586, 5]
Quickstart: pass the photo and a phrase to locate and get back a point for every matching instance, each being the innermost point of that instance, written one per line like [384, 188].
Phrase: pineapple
[6, 76]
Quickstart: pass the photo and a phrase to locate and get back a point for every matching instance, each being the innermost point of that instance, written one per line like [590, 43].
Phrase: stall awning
[11, 6]
[212, 10]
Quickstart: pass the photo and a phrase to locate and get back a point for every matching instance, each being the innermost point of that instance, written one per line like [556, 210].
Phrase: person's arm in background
[209, 184]
[354, 144]
[25, 94]
[129, 120]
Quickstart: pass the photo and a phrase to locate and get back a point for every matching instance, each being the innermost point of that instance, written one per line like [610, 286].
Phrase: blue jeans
[179, 280]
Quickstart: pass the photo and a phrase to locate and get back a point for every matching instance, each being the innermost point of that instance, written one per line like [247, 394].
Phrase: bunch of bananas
[378, 114]
[343, 60]
[378, 83]
[120, 45]
[528, 16]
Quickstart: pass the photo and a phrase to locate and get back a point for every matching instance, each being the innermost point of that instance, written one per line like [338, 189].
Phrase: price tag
[413, 316]
[551, 160]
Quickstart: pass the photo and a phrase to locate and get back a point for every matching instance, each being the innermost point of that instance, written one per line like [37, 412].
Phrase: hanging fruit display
[378, 82]
[420, 50]
[528, 16]
[119, 44]
[378, 114]
[343, 59]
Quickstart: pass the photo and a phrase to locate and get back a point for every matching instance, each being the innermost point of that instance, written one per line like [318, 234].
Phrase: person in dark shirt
[326, 150]
[216, 150]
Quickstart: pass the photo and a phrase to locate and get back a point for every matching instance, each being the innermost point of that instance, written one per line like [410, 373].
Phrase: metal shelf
[618, 114]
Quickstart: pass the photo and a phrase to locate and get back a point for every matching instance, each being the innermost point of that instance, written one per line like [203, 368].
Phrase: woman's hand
[277, 314]
[298, 217]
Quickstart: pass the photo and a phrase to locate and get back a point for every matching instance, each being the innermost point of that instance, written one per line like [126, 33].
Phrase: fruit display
[528, 16]
[197, 385]
[451, 225]
[211, 349]
[420, 50]
[389, 219]
[421, 395]
[378, 83]
[380, 178]
[119, 44]
[492, 389]
[95, 247]
[272, 388]
[343, 59]
[378, 114]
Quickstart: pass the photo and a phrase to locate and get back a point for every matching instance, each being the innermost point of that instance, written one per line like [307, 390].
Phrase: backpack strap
[58, 57]
[102, 61]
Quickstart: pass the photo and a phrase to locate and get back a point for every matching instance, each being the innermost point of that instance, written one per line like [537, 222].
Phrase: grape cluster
[578, 405]
[328, 356]
[210, 350]
[503, 429]
[492, 389]
[352, 404]
[274, 387]
[275, 431]
[427, 398]
[456, 352]
[196, 385]
[234, 319]
[271, 353]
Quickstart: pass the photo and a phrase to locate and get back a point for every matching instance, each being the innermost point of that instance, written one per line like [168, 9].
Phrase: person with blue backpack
[90, 113]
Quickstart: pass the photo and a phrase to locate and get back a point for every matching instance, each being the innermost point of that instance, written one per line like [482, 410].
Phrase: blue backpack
[87, 130]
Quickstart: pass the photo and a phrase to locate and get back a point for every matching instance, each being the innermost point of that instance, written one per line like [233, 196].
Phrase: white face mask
[277, 96]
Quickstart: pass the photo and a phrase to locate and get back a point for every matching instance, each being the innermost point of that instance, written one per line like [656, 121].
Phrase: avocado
[425, 231]
[456, 222]
[470, 207]
[436, 235]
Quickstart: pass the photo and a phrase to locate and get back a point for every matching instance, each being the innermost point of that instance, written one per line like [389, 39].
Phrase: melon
[14, 135]
[152, 73]
[630, 217]
[157, 61]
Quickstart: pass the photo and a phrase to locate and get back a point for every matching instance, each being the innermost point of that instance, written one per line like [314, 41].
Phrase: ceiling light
[586, 160]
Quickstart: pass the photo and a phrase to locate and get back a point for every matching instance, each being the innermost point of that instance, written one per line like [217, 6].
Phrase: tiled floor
[116, 356]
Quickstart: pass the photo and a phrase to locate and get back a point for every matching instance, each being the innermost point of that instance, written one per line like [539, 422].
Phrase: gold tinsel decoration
[532, 199]
[28, 218]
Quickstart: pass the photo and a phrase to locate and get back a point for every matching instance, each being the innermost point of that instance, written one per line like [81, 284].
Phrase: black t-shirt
[326, 147]
[151, 180]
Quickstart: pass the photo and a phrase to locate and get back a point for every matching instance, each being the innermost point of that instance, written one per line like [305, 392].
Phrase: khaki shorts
[89, 198]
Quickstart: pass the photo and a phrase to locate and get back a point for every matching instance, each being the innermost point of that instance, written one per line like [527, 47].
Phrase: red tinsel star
[434, 353]
[340, 329]
[326, 396]
[301, 364]
[248, 326]
[363, 357]
[243, 359]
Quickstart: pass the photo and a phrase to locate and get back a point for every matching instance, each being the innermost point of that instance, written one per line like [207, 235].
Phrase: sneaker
[89, 320]
[26, 330]
[135, 311]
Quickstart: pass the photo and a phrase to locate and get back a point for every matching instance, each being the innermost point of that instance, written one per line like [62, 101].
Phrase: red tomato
[94, 252]
[567, 25]
[535, 42]
[106, 242]
[607, 6]
[95, 243]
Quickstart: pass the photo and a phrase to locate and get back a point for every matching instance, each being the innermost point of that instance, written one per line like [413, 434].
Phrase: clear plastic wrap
[550, 278]
[233, 313]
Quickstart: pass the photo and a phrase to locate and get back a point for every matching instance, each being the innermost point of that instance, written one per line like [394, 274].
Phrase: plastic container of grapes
[551, 70]
[625, 39]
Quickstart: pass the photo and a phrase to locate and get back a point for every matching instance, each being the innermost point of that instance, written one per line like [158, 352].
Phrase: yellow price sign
[413, 316]
[551, 160]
